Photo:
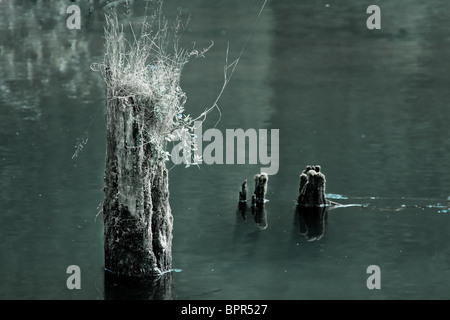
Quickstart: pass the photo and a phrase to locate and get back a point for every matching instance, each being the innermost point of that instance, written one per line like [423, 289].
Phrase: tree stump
[312, 187]
[261, 180]
[258, 200]
[145, 106]
[243, 199]
[136, 210]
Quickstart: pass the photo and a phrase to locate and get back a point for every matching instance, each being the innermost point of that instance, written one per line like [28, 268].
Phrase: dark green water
[369, 106]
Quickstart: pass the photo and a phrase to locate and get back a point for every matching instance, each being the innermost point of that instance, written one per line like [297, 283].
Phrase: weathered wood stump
[145, 106]
[258, 200]
[242, 205]
[312, 187]
[261, 180]
[312, 208]
[259, 194]
[136, 211]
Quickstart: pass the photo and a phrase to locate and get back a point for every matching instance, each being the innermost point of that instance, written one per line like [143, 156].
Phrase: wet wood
[312, 187]
[258, 200]
[136, 211]
[261, 180]
[243, 192]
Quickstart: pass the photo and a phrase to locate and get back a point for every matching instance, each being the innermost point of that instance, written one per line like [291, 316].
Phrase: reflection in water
[258, 212]
[137, 288]
[312, 221]
[260, 216]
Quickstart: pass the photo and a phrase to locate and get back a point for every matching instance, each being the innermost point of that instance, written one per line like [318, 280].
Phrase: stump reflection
[312, 221]
[258, 212]
[121, 287]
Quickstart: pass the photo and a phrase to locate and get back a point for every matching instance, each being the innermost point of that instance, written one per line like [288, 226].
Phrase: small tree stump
[312, 187]
[258, 200]
[243, 199]
[259, 194]
[243, 192]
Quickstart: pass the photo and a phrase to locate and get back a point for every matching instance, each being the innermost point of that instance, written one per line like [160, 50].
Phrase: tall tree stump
[145, 105]
[136, 210]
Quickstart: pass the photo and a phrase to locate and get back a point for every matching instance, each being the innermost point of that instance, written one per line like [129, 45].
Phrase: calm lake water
[369, 106]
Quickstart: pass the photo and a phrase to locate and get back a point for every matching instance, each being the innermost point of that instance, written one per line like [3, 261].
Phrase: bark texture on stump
[312, 187]
[136, 211]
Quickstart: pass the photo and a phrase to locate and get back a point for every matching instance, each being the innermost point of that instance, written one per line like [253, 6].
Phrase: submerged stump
[258, 200]
[312, 205]
[261, 180]
[312, 187]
